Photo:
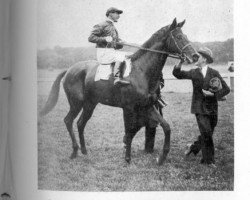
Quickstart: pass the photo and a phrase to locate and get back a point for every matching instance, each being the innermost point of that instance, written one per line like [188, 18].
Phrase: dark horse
[137, 99]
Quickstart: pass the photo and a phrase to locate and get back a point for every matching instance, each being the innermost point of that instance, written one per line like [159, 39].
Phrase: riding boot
[119, 80]
[112, 69]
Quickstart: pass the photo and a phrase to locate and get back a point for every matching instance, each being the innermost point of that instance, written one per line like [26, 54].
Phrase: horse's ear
[173, 25]
[181, 23]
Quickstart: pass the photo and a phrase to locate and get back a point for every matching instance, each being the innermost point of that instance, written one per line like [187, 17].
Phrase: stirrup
[121, 81]
[162, 103]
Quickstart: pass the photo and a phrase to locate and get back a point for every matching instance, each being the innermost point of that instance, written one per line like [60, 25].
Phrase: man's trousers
[206, 124]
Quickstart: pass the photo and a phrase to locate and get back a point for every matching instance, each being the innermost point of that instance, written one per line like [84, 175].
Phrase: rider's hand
[109, 39]
[122, 41]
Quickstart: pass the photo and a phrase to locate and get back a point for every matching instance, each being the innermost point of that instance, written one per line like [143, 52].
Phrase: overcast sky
[68, 23]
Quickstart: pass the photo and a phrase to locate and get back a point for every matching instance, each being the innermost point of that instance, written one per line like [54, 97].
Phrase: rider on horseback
[106, 37]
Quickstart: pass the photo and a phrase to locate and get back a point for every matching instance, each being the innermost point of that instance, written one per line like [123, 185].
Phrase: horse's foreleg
[130, 136]
[150, 134]
[87, 112]
[166, 128]
[131, 128]
[149, 138]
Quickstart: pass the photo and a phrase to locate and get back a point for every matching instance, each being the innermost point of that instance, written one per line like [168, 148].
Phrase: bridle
[176, 44]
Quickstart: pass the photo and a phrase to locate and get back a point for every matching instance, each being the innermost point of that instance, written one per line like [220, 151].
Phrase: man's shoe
[212, 165]
[189, 150]
[209, 164]
[121, 81]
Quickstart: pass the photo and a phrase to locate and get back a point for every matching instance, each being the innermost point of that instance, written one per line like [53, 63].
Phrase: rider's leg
[121, 66]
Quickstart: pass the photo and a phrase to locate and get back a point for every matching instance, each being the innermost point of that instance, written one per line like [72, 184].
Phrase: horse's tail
[53, 95]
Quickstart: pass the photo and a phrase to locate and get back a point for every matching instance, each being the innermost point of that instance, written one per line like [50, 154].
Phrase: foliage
[222, 51]
[60, 57]
[64, 57]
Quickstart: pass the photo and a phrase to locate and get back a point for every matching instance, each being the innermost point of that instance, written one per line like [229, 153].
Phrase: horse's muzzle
[190, 59]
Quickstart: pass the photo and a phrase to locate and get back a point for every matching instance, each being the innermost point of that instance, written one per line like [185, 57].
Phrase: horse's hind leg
[87, 112]
[68, 120]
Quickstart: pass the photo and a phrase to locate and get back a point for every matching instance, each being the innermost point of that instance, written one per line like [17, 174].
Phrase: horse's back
[79, 84]
[75, 78]
[80, 68]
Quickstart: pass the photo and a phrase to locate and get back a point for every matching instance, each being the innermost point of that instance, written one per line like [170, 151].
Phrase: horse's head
[178, 42]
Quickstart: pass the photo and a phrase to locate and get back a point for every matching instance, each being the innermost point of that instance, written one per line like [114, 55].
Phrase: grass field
[104, 168]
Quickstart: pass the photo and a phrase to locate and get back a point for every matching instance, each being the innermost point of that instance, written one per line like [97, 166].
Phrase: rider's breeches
[109, 55]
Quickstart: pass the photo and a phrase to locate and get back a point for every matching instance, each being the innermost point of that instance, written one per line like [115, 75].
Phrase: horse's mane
[149, 43]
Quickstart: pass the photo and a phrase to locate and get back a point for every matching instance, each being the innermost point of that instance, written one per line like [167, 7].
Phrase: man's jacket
[200, 103]
[102, 30]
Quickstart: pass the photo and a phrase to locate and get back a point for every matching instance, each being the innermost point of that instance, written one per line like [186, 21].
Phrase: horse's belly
[105, 93]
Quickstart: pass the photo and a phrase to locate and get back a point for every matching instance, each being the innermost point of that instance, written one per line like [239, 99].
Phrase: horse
[136, 99]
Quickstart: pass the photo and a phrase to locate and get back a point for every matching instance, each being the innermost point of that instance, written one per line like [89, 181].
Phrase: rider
[106, 37]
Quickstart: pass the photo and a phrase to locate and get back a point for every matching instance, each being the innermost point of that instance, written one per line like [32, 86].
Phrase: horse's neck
[151, 65]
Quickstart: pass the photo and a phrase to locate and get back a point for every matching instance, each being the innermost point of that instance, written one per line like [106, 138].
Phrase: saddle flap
[103, 72]
[127, 68]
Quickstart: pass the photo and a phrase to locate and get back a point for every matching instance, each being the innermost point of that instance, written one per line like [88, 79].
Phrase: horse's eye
[179, 37]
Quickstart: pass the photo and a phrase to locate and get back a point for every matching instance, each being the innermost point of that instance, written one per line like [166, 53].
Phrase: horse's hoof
[73, 156]
[159, 161]
[128, 160]
[149, 150]
[84, 151]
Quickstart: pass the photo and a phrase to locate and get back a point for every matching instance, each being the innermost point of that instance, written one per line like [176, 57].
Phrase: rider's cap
[207, 53]
[112, 10]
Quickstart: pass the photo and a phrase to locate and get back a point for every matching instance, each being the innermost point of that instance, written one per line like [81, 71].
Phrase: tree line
[64, 57]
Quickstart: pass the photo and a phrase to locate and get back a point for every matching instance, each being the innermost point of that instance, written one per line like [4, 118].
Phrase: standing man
[106, 37]
[208, 87]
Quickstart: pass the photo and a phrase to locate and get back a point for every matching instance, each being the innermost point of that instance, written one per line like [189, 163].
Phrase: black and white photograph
[135, 95]
[124, 99]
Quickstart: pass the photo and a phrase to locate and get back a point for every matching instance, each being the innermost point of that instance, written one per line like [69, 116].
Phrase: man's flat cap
[207, 53]
[112, 10]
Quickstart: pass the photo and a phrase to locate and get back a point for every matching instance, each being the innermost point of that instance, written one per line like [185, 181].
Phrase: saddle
[107, 71]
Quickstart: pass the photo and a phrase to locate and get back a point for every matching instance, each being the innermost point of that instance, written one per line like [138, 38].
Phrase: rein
[151, 50]
[176, 56]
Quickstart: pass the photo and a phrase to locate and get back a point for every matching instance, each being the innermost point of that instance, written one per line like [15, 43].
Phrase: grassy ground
[104, 168]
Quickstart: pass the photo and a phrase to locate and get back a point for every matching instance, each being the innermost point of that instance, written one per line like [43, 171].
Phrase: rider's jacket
[102, 30]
